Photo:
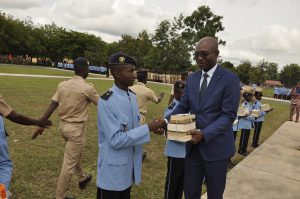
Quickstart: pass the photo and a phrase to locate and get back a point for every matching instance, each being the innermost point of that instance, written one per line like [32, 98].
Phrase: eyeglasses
[202, 54]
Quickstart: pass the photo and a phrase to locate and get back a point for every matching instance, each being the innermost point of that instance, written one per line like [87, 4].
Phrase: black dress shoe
[255, 145]
[243, 153]
[82, 184]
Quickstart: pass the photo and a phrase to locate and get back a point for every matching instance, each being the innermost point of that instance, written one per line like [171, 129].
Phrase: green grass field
[37, 163]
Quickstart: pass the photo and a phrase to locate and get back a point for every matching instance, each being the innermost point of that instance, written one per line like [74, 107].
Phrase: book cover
[181, 127]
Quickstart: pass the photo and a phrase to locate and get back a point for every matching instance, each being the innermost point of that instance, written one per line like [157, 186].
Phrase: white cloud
[24, 4]
[275, 43]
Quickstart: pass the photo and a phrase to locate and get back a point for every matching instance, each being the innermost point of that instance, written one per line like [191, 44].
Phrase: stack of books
[265, 107]
[179, 127]
[255, 113]
[242, 111]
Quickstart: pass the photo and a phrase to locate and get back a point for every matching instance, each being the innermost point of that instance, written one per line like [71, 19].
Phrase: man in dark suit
[212, 94]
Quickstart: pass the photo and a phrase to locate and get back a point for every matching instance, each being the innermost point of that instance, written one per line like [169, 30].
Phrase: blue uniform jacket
[257, 105]
[215, 112]
[6, 166]
[246, 122]
[120, 139]
[174, 149]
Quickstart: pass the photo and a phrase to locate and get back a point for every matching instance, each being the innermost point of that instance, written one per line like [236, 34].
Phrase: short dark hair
[142, 75]
[80, 61]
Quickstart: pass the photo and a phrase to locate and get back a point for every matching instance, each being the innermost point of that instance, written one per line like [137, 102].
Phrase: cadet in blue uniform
[120, 135]
[246, 123]
[175, 151]
[258, 121]
[5, 162]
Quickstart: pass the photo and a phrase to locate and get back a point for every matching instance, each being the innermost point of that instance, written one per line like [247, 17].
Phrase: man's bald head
[206, 53]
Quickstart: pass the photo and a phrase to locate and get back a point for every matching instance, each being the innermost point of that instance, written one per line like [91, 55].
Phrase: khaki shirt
[73, 97]
[5, 109]
[143, 95]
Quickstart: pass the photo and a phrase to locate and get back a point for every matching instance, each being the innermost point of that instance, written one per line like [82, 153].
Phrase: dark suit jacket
[214, 114]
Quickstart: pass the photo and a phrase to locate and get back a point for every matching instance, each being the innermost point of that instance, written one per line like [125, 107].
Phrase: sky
[255, 30]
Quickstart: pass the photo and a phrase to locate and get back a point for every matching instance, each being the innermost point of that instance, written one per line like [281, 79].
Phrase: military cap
[121, 59]
[80, 61]
[142, 71]
[259, 89]
[179, 84]
[247, 89]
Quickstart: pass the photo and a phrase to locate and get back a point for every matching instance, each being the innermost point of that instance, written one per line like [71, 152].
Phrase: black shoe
[243, 153]
[144, 156]
[82, 184]
[255, 145]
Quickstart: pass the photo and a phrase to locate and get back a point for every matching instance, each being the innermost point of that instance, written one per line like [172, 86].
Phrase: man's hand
[197, 136]
[161, 95]
[156, 124]
[44, 123]
[37, 132]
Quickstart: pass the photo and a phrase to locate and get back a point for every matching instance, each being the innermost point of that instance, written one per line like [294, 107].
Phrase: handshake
[158, 126]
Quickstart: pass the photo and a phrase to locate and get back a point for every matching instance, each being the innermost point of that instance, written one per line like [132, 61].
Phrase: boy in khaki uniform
[144, 94]
[73, 97]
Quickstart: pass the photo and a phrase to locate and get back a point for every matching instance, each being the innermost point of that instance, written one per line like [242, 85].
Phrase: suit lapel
[213, 82]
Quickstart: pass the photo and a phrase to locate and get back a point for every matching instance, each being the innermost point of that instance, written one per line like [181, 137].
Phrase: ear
[115, 73]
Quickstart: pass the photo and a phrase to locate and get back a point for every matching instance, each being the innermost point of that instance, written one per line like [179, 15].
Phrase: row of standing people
[282, 92]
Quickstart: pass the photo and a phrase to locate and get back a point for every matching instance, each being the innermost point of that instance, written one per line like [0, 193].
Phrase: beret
[179, 84]
[121, 59]
[259, 89]
[247, 89]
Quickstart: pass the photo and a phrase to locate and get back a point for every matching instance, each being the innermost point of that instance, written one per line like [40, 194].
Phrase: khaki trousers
[75, 136]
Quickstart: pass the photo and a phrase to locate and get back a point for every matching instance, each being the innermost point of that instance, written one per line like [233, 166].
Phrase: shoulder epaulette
[171, 106]
[106, 95]
[131, 91]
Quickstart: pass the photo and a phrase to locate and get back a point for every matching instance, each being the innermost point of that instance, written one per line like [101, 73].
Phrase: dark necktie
[203, 85]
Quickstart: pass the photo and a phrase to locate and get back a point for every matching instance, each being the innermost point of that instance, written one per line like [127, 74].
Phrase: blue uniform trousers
[175, 178]
[6, 166]
[106, 194]
[196, 168]
[257, 129]
[245, 133]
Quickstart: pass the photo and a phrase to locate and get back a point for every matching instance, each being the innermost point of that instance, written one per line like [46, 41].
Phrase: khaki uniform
[73, 97]
[143, 95]
[5, 109]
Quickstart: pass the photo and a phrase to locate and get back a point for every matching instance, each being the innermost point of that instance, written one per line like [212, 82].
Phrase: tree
[96, 52]
[229, 66]
[255, 75]
[290, 75]
[171, 51]
[243, 71]
[203, 22]
[272, 71]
